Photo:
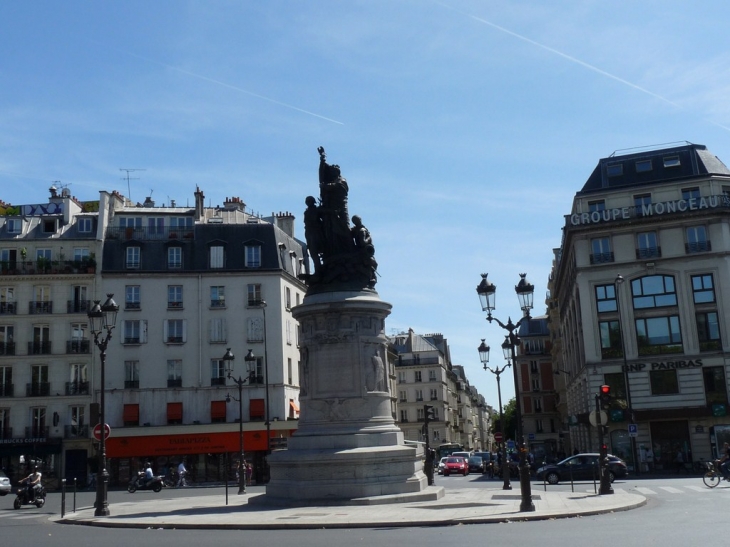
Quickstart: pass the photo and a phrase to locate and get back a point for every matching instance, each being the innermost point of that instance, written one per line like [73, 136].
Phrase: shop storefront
[17, 456]
[209, 456]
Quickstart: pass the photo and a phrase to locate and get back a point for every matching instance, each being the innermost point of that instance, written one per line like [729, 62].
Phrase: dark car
[456, 464]
[581, 467]
[476, 464]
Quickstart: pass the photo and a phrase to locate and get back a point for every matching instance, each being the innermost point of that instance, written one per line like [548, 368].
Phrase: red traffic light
[605, 390]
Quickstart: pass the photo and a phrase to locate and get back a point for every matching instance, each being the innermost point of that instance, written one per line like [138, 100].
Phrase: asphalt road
[680, 511]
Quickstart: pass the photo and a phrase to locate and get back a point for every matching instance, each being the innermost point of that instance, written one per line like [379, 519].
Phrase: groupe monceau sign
[648, 209]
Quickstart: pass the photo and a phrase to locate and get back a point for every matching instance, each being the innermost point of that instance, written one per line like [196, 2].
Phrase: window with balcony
[174, 296]
[419, 395]
[131, 375]
[78, 383]
[135, 331]
[641, 204]
[218, 296]
[432, 377]
[417, 375]
[646, 245]
[420, 414]
[601, 250]
[77, 427]
[402, 377]
[597, 205]
[691, 193]
[175, 331]
[217, 372]
[6, 381]
[7, 340]
[7, 301]
[404, 415]
[255, 329]
[697, 241]
[41, 344]
[131, 297]
[42, 300]
[434, 395]
[39, 385]
[253, 291]
[79, 302]
[174, 373]
[38, 428]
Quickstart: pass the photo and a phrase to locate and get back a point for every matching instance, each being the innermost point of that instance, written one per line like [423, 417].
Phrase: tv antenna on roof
[129, 191]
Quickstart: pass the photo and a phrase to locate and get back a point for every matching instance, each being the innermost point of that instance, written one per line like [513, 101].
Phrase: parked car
[581, 467]
[5, 487]
[456, 464]
[476, 464]
[442, 462]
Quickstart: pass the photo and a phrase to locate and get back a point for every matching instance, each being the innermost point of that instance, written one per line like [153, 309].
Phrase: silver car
[5, 488]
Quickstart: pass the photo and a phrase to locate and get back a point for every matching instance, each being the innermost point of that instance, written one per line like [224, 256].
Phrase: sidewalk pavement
[457, 506]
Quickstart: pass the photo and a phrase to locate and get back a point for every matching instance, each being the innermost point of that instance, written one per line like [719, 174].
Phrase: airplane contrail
[573, 60]
[224, 84]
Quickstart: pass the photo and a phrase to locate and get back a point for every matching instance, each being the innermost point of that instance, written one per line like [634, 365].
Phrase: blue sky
[463, 127]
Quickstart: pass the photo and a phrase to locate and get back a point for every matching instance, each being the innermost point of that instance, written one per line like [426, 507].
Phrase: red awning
[257, 408]
[174, 411]
[293, 405]
[217, 410]
[131, 413]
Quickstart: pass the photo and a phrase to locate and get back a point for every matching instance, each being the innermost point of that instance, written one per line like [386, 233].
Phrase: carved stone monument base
[347, 449]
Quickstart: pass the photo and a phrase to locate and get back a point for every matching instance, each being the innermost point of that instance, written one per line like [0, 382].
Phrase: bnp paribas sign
[648, 210]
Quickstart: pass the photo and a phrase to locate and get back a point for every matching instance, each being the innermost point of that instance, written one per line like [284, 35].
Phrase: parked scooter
[140, 483]
[24, 499]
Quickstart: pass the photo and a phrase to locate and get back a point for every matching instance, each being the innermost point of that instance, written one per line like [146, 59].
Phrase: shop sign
[647, 210]
[31, 440]
[662, 365]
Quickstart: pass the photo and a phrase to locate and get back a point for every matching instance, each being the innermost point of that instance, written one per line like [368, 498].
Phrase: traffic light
[605, 396]
[429, 413]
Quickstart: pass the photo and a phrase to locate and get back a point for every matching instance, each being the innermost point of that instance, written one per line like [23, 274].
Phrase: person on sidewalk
[181, 471]
[249, 473]
[679, 461]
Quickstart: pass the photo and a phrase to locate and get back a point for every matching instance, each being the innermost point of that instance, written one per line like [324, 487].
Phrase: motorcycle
[23, 499]
[140, 483]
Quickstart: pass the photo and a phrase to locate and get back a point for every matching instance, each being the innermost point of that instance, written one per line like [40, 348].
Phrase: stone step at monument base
[356, 476]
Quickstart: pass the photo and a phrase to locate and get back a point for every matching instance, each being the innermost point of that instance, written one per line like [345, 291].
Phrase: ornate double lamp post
[487, 291]
[240, 381]
[103, 319]
[483, 350]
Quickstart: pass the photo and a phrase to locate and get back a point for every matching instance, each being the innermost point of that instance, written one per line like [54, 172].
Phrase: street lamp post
[484, 358]
[103, 319]
[487, 291]
[240, 381]
[629, 408]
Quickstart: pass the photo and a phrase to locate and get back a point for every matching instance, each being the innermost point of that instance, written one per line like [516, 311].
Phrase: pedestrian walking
[249, 473]
[181, 471]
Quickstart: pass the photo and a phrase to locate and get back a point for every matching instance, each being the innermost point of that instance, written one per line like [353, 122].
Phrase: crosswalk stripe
[671, 489]
[643, 490]
[25, 517]
[8, 514]
[697, 488]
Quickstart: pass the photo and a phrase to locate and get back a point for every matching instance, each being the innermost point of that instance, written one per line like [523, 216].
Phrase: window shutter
[143, 331]
[185, 330]
[165, 330]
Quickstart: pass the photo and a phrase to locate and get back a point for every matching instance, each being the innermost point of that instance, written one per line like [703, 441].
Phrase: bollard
[63, 497]
[572, 486]
[74, 504]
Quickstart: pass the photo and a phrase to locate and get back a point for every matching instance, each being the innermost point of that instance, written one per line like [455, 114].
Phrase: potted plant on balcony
[91, 263]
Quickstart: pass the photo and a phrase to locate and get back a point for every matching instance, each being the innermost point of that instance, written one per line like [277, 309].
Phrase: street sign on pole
[97, 431]
[596, 419]
[498, 437]
[633, 430]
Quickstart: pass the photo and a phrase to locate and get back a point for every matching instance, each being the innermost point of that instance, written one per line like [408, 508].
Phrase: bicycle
[712, 477]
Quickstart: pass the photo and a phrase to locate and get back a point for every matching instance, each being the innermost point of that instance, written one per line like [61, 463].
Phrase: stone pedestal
[347, 449]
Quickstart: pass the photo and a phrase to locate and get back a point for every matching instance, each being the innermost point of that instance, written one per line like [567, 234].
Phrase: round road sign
[498, 437]
[97, 431]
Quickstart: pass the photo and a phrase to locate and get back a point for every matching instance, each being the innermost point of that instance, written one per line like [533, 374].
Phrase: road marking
[643, 490]
[697, 488]
[671, 489]
[4, 515]
[25, 517]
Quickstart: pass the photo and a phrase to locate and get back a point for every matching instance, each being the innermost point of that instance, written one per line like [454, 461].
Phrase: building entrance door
[667, 439]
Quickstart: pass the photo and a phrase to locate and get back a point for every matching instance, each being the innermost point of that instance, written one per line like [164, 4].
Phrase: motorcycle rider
[33, 483]
[148, 476]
